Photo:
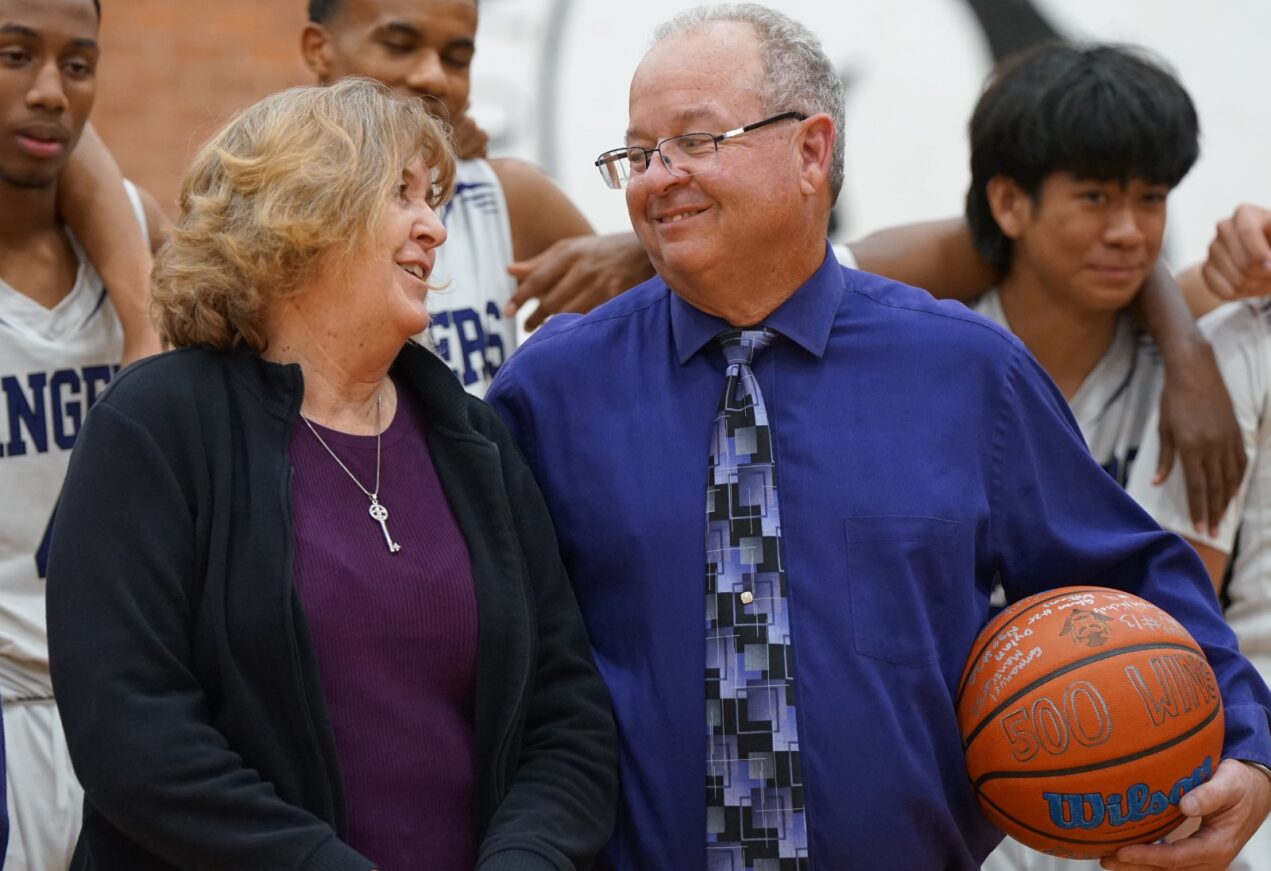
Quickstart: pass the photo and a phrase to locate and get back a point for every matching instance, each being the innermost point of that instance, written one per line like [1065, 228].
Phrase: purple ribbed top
[395, 635]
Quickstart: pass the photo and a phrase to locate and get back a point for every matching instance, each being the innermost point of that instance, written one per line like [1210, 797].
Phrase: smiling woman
[326, 612]
[290, 198]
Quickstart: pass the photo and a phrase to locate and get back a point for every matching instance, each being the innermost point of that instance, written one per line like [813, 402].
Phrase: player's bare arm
[559, 260]
[538, 210]
[1200, 299]
[578, 274]
[1197, 419]
[573, 274]
[937, 256]
[92, 201]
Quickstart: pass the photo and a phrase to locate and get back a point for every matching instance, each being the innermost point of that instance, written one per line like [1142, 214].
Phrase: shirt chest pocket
[900, 570]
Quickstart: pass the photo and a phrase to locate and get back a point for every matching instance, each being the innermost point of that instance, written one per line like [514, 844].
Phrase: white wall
[916, 67]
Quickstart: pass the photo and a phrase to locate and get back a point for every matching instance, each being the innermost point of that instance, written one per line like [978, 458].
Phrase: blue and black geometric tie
[754, 787]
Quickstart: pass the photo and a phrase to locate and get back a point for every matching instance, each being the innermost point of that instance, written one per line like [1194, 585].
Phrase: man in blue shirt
[921, 455]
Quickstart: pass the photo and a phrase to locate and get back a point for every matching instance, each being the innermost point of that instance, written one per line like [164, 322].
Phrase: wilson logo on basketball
[1086, 714]
[1089, 810]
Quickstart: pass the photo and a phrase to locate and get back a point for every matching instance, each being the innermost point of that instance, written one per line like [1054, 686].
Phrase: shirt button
[747, 597]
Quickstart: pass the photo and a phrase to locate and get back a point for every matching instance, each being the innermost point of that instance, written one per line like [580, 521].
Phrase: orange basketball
[1086, 714]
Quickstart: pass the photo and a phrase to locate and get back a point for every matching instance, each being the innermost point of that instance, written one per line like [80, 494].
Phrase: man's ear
[315, 47]
[816, 150]
[1010, 205]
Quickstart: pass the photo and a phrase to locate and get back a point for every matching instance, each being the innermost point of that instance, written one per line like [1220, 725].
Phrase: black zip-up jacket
[183, 666]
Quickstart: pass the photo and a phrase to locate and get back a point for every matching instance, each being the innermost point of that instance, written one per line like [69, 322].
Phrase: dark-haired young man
[1074, 151]
[60, 342]
[1073, 154]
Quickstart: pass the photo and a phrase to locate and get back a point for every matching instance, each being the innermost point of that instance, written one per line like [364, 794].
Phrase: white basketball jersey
[54, 363]
[1114, 403]
[467, 326]
[1241, 336]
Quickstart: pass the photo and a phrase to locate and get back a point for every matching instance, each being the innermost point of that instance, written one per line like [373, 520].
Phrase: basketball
[1086, 714]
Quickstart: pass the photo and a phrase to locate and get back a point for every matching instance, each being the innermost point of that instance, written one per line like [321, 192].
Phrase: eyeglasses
[682, 155]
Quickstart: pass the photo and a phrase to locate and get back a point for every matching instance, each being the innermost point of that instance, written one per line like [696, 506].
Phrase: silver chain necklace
[378, 512]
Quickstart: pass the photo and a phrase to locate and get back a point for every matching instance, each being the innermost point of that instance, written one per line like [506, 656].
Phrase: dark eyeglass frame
[608, 158]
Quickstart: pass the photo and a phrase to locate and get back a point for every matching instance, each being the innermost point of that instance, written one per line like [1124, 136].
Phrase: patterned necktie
[754, 787]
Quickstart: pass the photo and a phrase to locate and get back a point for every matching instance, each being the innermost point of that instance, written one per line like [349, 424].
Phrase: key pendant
[380, 515]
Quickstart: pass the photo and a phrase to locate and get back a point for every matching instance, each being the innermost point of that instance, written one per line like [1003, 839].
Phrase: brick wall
[173, 70]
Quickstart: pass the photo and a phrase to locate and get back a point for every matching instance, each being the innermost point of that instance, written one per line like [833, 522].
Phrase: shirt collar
[805, 318]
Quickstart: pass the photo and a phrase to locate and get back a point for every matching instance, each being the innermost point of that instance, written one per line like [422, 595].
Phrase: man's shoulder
[572, 348]
[891, 305]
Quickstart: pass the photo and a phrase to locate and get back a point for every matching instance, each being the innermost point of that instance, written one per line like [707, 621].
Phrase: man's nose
[657, 176]
[428, 76]
[1124, 227]
[46, 90]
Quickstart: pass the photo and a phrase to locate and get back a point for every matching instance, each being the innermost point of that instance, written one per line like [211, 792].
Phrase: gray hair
[797, 74]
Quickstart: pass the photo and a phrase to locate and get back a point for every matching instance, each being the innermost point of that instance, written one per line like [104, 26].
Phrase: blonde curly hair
[292, 185]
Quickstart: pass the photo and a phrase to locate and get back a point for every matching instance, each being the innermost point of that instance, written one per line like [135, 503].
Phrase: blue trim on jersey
[1124, 386]
[481, 196]
[463, 187]
[1142, 343]
[101, 300]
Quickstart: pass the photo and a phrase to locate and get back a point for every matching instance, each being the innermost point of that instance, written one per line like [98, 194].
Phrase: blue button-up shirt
[921, 454]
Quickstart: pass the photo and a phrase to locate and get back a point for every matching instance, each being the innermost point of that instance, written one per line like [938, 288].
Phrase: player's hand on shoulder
[1230, 807]
[1239, 262]
[539, 213]
[578, 274]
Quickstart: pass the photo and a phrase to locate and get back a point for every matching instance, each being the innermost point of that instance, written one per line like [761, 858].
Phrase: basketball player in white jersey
[60, 342]
[1238, 555]
[1073, 154]
[503, 210]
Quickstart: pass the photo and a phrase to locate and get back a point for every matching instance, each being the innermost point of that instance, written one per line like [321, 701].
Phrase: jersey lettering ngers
[54, 363]
[467, 327]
